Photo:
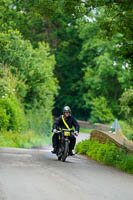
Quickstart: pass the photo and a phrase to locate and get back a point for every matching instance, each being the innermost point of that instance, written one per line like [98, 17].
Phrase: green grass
[23, 140]
[126, 129]
[85, 130]
[107, 153]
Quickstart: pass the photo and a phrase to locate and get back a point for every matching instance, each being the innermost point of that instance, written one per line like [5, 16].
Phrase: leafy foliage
[86, 45]
[34, 68]
[105, 73]
[127, 105]
[11, 114]
[27, 85]
[100, 111]
[126, 129]
[106, 153]
[11, 110]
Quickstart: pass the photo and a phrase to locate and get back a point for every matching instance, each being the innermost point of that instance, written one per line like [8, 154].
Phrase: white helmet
[66, 109]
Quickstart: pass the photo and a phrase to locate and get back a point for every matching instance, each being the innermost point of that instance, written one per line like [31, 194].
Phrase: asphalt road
[37, 175]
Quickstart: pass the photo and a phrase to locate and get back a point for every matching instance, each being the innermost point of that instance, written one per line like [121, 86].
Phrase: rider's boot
[54, 150]
[71, 153]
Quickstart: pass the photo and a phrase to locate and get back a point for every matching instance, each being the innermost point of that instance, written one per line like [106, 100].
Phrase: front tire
[59, 154]
[64, 156]
[59, 157]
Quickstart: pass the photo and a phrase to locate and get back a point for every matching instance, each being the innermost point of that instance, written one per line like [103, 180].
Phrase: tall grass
[23, 140]
[36, 133]
[39, 121]
[127, 130]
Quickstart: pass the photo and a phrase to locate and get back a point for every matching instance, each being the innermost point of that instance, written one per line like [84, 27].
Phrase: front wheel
[64, 156]
[59, 157]
[59, 154]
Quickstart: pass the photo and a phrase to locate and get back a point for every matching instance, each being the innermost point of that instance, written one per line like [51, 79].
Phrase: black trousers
[72, 141]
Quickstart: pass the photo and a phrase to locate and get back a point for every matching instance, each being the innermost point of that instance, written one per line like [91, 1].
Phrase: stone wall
[119, 141]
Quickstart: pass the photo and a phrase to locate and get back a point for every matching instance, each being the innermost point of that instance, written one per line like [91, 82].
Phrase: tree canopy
[86, 45]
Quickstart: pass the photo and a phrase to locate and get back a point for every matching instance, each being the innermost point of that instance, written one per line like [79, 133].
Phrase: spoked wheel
[65, 154]
[59, 154]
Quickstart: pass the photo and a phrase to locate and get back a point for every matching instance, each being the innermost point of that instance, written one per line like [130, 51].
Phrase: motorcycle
[64, 142]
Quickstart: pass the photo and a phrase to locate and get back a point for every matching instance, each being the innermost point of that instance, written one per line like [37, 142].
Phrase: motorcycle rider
[60, 124]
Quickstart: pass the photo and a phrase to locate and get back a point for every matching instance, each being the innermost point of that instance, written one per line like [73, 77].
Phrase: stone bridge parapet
[119, 140]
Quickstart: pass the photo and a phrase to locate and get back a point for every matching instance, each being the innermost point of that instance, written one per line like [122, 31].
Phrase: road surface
[37, 175]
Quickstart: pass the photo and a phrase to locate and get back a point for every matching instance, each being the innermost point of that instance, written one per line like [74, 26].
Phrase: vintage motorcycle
[64, 142]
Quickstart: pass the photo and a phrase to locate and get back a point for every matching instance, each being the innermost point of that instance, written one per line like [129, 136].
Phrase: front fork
[66, 140]
[62, 141]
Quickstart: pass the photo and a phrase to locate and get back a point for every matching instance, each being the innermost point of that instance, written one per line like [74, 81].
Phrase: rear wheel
[64, 156]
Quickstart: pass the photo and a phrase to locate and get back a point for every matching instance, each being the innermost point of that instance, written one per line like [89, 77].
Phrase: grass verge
[85, 130]
[127, 130]
[106, 153]
[23, 140]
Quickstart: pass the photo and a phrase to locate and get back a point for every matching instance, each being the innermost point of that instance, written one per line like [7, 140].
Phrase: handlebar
[58, 131]
[67, 130]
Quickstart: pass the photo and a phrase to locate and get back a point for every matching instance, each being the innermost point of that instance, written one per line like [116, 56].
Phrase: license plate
[67, 133]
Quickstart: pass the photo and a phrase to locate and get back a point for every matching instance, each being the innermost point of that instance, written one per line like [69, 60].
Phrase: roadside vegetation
[24, 140]
[27, 89]
[70, 52]
[106, 153]
[126, 130]
[86, 130]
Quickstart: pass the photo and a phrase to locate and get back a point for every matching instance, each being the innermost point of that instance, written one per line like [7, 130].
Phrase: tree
[100, 111]
[92, 44]
[116, 18]
[33, 66]
[36, 85]
[105, 71]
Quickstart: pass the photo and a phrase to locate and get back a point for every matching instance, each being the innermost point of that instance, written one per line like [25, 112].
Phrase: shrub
[82, 147]
[11, 110]
[126, 103]
[106, 153]
[4, 118]
[11, 114]
[125, 162]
